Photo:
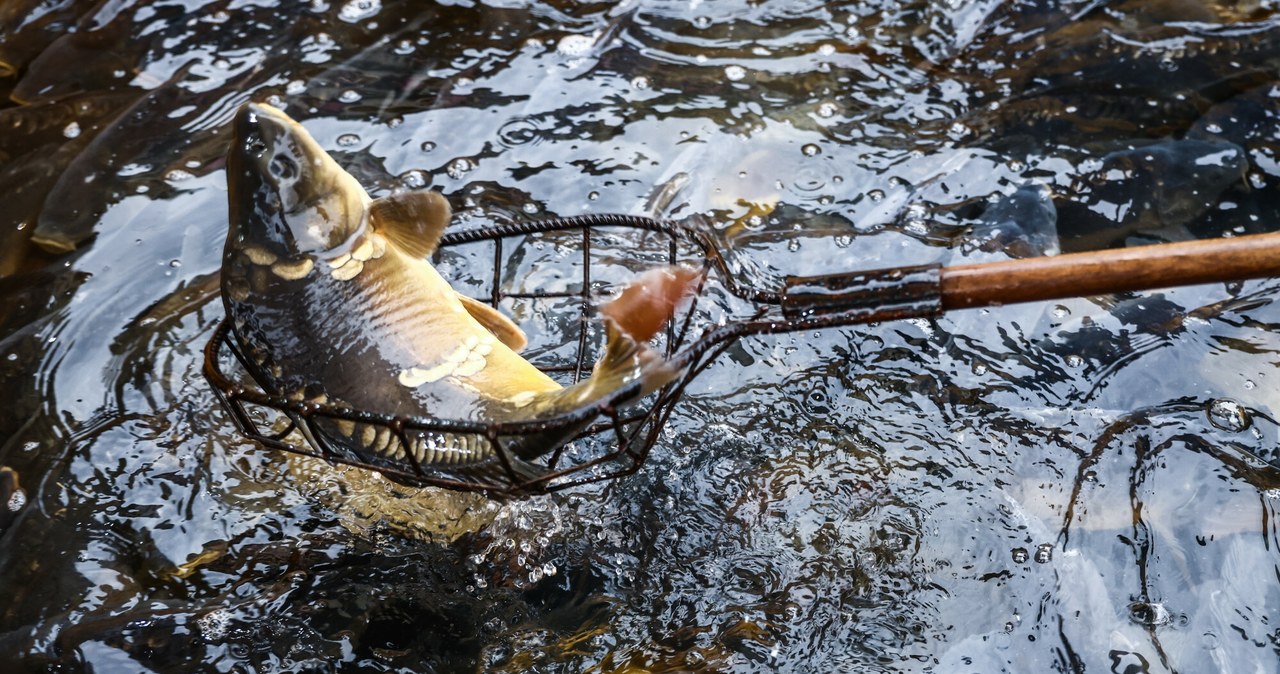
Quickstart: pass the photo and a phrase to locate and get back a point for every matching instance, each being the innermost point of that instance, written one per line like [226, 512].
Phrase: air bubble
[1020, 555]
[359, 10]
[1228, 415]
[16, 501]
[1150, 614]
[529, 208]
[701, 22]
[348, 139]
[1044, 553]
[574, 45]
[71, 130]
[427, 146]
[640, 82]
[459, 167]
[735, 73]
[414, 179]
[811, 150]
[349, 96]
[213, 625]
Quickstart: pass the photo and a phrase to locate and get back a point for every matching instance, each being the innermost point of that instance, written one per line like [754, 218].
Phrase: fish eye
[283, 168]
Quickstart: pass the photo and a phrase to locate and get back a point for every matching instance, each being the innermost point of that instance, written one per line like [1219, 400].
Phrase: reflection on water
[1085, 486]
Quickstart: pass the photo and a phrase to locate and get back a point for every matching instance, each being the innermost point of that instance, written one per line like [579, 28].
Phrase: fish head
[287, 195]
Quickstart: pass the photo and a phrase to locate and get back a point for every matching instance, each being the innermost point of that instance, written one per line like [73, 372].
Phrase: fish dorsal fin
[502, 327]
[413, 221]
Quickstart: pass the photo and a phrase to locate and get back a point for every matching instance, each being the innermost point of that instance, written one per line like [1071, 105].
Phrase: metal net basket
[552, 276]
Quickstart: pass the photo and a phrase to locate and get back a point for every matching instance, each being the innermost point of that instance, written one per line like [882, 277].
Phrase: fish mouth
[280, 150]
[265, 122]
[278, 154]
[284, 189]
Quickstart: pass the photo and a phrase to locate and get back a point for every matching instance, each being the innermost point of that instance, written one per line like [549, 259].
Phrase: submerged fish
[332, 298]
[1023, 223]
[1153, 190]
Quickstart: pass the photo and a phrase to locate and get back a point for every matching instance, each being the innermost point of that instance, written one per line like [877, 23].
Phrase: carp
[332, 299]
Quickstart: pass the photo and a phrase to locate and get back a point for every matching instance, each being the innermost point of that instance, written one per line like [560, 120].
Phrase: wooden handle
[1109, 271]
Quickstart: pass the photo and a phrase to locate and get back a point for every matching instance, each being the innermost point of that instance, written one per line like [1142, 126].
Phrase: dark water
[1085, 486]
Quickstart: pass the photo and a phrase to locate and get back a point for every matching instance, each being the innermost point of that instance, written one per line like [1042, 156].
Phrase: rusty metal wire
[620, 430]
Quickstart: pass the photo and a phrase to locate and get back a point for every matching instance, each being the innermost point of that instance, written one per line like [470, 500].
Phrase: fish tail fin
[630, 320]
[634, 317]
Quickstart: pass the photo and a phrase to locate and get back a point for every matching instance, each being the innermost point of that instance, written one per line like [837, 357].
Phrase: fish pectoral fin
[495, 322]
[412, 221]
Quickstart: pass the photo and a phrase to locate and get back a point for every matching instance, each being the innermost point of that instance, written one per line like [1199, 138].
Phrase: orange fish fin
[412, 221]
[646, 305]
[641, 311]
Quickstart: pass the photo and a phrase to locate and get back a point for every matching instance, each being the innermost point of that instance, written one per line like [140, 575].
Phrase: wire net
[550, 277]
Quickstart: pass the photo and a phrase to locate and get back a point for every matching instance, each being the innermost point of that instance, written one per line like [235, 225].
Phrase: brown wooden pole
[1108, 271]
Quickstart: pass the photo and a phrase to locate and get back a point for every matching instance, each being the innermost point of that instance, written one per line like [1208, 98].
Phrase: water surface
[1089, 485]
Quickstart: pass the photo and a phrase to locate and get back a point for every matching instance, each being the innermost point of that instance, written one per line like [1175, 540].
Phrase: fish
[1023, 223]
[28, 26]
[1153, 190]
[81, 61]
[128, 153]
[332, 298]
